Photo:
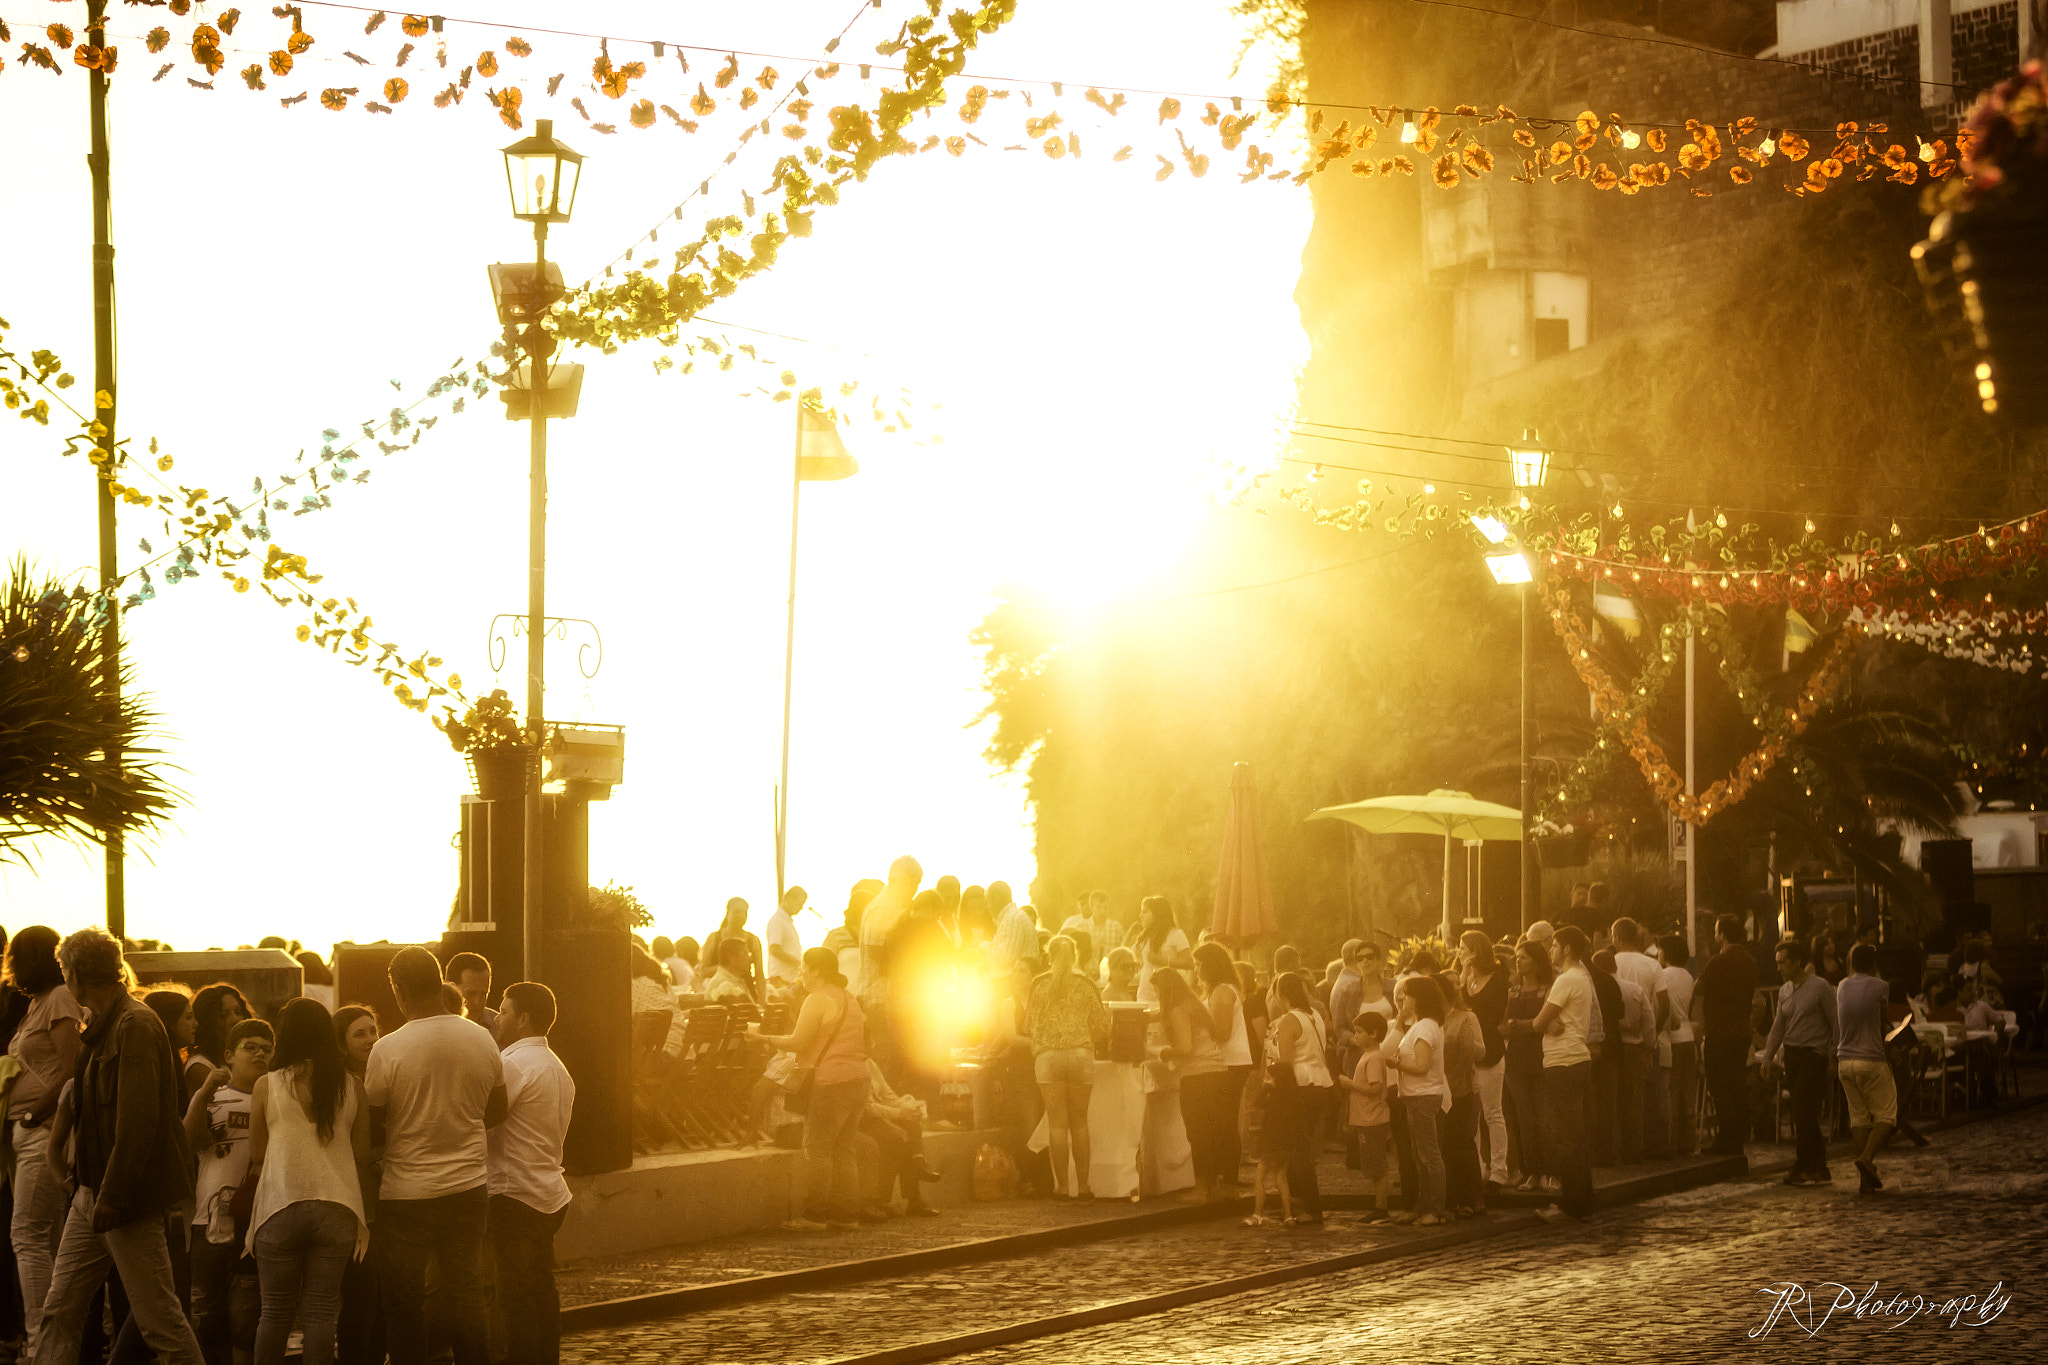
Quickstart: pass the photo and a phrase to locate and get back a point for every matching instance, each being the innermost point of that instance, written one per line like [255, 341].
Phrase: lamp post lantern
[1530, 460]
[542, 176]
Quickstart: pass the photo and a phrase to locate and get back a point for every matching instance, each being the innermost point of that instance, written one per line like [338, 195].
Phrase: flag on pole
[1619, 610]
[1799, 632]
[820, 454]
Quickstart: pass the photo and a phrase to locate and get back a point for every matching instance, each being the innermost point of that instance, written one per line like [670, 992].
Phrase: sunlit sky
[1096, 339]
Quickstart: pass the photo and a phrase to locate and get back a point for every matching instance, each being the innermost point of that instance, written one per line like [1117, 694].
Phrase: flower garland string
[1627, 716]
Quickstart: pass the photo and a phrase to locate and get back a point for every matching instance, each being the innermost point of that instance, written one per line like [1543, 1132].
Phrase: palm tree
[57, 726]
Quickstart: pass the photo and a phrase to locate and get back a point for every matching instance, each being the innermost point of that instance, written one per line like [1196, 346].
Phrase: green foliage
[706, 270]
[616, 907]
[488, 727]
[57, 726]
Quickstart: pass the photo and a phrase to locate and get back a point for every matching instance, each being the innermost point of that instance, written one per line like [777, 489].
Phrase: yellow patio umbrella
[1454, 815]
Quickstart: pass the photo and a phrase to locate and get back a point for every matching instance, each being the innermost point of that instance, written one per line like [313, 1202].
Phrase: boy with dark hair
[225, 1298]
[1371, 1121]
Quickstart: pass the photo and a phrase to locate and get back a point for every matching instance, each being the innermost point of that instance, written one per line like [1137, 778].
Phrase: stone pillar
[1937, 69]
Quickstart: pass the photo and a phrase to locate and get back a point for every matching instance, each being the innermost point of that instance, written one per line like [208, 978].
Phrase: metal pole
[538, 353]
[1692, 831]
[796, 488]
[104, 381]
[1531, 888]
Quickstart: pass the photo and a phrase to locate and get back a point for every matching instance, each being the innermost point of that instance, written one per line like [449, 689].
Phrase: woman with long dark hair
[1458, 1127]
[46, 1045]
[1197, 1060]
[1525, 1066]
[359, 1333]
[1223, 995]
[1299, 1086]
[309, 1135]
[173, 1005]
[1419, 1060]
[216, 1009]
[1158, 942]
[1485, 987]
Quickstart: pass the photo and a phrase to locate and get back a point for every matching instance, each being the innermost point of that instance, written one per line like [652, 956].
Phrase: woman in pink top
[828, 1041]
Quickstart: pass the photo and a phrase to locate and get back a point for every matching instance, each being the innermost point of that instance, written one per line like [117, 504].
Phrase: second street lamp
[542, 176]
[1530, 460]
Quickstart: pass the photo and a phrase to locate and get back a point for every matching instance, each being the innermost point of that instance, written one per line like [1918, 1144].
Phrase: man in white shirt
[877, 918]
[1647, 1118]
[1091, 917]
[1016, 939]
[1567, 1068]
[438, 1084]
[785, 946]
[529, 1196]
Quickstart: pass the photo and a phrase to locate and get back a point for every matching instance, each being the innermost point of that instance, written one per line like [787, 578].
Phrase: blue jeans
[450, 1230]
[832, 1174]
[302, 1251]
[1565, 1143]
[1422, 1111]
[225, 1300]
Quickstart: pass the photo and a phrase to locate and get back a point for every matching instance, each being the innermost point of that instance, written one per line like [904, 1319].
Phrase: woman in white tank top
[309, 1134]
[1224, 995]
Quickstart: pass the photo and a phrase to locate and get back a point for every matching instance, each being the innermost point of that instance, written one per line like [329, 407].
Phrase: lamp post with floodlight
[1530, 460]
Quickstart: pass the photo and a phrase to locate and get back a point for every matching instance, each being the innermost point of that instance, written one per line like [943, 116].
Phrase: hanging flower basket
[1984, 265]
[1571, 848]
[501, 774]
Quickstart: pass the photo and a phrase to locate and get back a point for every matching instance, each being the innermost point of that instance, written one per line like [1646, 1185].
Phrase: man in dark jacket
[132, 1163]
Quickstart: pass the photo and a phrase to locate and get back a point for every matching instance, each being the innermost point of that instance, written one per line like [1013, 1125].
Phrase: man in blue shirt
[1806, 1029]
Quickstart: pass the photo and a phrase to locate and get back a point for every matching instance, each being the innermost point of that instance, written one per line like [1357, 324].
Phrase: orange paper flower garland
[1666, 783]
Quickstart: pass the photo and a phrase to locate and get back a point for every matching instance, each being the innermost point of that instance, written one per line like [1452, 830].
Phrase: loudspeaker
[1947, 863]
[590, 972]
[362, 976]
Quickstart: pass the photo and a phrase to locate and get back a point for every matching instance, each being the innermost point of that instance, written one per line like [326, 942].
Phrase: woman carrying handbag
[830, 1090]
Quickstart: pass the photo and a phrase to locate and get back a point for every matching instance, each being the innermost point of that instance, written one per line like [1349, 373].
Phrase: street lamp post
[542, 175]
[1530, 460]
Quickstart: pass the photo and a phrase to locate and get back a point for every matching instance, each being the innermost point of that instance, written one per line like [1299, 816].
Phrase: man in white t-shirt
[529, 1197]
[785, 947]
[1646, 1126]
[438, 1083]
[1682, 1070]
[1567, 1068]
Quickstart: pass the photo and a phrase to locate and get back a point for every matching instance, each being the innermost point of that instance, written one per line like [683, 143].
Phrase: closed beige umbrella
[1244, 891]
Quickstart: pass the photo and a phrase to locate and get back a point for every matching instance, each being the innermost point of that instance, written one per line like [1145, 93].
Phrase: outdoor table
[1138, 1145]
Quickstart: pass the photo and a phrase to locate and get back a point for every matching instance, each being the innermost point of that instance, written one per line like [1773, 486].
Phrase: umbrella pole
[1447, 883]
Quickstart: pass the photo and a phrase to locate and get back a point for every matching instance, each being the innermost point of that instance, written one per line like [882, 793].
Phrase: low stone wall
[691, 1196]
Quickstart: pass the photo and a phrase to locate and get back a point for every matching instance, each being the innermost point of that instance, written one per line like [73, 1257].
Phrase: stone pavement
[1681, 1273]
[1676, 1279]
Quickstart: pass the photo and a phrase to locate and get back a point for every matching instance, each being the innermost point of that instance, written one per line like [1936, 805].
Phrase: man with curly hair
[132, 1163]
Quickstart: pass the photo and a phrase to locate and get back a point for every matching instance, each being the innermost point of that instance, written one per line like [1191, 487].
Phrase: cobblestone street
[1675, 1278]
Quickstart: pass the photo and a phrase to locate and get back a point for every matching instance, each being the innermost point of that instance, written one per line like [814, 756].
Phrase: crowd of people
[201, 1180]
[1517, 1065]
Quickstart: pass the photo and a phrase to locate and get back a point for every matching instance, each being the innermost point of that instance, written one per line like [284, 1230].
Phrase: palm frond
[59, 731]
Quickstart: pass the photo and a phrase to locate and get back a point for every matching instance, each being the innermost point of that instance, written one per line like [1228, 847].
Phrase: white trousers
[1486, 1081]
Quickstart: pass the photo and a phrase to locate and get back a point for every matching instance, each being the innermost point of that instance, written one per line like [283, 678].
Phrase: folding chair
[690, 1094]
[652, 1129]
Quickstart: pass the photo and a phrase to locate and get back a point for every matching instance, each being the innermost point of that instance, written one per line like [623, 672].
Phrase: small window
[1553, 337]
